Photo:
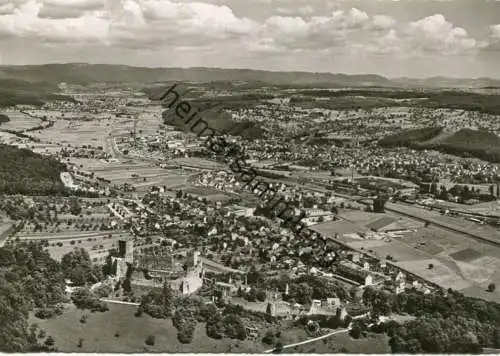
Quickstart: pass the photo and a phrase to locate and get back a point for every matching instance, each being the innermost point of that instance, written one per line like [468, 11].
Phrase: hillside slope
[410, 138]
[17, 92]
[464, 142]
[25, 172]
[98, 73]
[218, 120]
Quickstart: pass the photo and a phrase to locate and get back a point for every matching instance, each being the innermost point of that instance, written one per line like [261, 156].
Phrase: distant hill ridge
[18, 91]
[462, 142]
[88, 73]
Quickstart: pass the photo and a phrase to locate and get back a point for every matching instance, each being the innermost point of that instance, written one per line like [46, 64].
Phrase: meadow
[343, 343]
[118, 330]
[20, 122]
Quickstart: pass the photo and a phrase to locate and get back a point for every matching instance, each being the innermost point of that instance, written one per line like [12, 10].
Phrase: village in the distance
[120, 231]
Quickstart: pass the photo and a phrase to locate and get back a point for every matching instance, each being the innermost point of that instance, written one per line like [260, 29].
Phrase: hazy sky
[416, 38]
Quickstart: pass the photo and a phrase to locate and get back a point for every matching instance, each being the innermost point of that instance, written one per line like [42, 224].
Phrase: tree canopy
[25, 172]
[29, 279]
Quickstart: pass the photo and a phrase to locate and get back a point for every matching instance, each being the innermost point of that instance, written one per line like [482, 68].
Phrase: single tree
[150, 340]
[50, 341]
[278, 347]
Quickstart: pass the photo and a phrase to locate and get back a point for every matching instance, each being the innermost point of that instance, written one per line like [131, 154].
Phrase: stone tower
[343, 313]
[126, 249]
[185, 287]
[271, 308]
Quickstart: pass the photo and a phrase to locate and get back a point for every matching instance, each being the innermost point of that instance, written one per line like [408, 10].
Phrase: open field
[96, 243]
[98, 333]
[72, 235]
[200, 191]
[163, 179]
[384, 183]
[76, 132]
[434, 216]
[460, 262]
[399, 251]
[101, 167]
[19, 122]
[205, 192]
[121, 172]
[372, 344]
[197, 163]
[44, 148]
[466, 255]
[96, 248]
[451, 242]
[65, 229]
[490, 208]
[439, 274]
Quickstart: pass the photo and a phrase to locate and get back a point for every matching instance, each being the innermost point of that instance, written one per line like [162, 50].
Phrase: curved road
[310, 340]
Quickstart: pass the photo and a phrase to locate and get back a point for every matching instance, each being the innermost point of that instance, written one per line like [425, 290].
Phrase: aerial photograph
[259, 176]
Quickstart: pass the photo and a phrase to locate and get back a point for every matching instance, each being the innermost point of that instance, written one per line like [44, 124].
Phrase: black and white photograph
[250, 177]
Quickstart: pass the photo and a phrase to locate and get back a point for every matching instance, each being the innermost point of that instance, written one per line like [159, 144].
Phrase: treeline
[186, 312]
[443, 335]
[446, 323]
[344, 103]
[41, 127]
[481, 144]
[21, 135]
[4, 118]
[410, 138]
[217, 120]
[488, 104]
[19, 92]
[30, 280]
[25, 172]
[454, 100]
[465, 142]
[8, 99]
[403, 94]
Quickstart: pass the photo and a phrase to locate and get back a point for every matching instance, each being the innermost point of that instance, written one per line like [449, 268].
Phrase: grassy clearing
[372, 344]
[98, 333]
[466, 255]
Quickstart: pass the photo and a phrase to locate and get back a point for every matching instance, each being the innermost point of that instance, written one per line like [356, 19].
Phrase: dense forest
[29, 279]
[25, 172]
[465, 142]
[20, 92]
[410, 138]
[457, 100]
[445, 323]
[481, 144]
[218, 120]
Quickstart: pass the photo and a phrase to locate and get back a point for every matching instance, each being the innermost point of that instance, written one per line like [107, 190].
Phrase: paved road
[70, 235]
[4, 241]
[310, 340]
[118, 302]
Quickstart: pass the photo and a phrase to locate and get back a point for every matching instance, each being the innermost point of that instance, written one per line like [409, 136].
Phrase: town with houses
[146, 224]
